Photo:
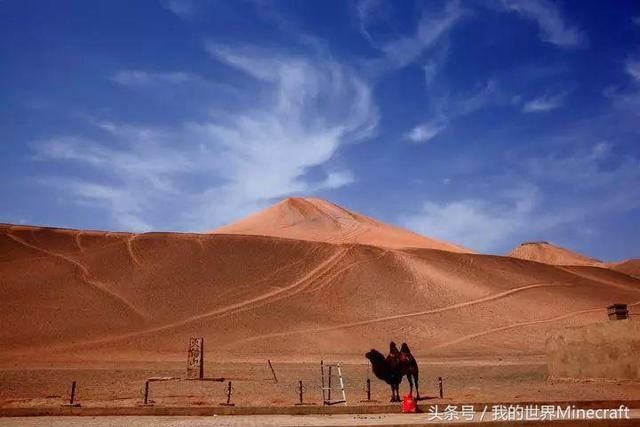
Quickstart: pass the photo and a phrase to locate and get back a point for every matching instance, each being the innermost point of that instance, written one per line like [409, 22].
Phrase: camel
[386, 371]
[409, 367]
[392, 368]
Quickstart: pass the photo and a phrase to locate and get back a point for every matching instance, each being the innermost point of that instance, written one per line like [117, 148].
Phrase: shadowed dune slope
[79, 294]
[319, 220]
[551, 254]
[630, 267]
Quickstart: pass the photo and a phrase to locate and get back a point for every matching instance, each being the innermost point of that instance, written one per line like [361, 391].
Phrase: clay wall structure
[607, 350]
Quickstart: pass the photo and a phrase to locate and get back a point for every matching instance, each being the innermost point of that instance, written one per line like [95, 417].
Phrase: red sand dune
[68, 294]
[630, 267]
[322, 221]
[551, 254]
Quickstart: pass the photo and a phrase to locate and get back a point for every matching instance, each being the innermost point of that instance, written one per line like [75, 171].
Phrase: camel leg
[393, 393]
[415, 377]
[410, 384]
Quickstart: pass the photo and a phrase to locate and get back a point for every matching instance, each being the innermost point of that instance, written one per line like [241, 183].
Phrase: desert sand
[111, 384]
[630, 267]
[552, 254]
[322, 221]
[142, 295]
[302, 281]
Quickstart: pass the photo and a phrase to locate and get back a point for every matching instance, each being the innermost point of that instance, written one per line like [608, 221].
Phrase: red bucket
[409, 404]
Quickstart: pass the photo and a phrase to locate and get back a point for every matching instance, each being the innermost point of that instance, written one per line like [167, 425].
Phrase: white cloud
[426, 131]
[147, 78]
[303, 109]
[403, 50]
[503, 213]
[337, 179]
[365, 9]
[430, 70]
[544, 103]
[584, 169]
[448, 108]
[553, 28]
[477, 224]
[632, 67]
[482, 96]
[434, 62]
[124, 206]
[627, 99]
[184, 9]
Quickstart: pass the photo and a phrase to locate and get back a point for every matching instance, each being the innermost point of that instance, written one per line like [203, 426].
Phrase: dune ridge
[548, 253]
[259, 295]
[318, 220]
[630, 267]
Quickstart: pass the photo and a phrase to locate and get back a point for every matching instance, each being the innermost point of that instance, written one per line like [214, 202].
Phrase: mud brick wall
[608, 349]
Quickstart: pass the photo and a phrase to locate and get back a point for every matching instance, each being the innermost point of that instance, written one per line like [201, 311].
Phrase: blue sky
[485, 123]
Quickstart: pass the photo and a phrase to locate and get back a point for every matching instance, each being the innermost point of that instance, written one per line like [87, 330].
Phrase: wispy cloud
[147, 78]
[337, 179]
[124, 206]
[434, 63]
[516, 206]
[448, 108]
[365, 9]
[304, 108]
[552, 25]
[476, 223]
[403, 50]
[632, 67]
[184, 9]
[544, 103]
[426, 131]
[626, 98]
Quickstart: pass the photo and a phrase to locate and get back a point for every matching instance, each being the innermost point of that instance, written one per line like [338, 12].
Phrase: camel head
[374, 356]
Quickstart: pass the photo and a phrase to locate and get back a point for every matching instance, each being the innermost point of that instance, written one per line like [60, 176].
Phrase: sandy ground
[110, 310]
[257, 420]
[253, 384]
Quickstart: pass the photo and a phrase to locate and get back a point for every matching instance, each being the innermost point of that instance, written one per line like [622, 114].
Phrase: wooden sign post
[195, 358]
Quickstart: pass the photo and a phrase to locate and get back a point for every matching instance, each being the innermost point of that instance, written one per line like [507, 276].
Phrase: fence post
[228, 402]
[272, 371]
[146, 392]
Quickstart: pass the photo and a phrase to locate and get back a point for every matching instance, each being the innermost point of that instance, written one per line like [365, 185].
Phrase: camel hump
[405, 348]
[406, 358]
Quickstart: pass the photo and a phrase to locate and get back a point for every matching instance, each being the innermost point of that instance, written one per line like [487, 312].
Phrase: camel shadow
[426, 398]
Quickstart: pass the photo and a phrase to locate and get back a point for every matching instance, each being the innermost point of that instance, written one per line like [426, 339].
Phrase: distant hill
[630, 267]
[318, 220]
[552, 254]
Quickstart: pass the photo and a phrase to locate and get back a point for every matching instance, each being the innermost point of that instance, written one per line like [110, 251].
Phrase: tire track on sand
[297, 286]
[493, 297]
[599, 279]
[132, 254]
[326, 281]
[84, 275]
[519, 325]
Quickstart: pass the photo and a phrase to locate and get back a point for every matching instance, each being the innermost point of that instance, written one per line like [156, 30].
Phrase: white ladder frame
[326, 390]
